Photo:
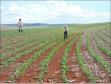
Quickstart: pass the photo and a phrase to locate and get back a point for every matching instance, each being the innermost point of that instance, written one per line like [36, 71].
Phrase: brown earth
[31, 74]
[53, 75]
[22, 50]
[101, 76]
[97, 50]
[75, 74]
[10, 69]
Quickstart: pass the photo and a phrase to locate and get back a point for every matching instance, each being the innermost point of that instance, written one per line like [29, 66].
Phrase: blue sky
[55, 11]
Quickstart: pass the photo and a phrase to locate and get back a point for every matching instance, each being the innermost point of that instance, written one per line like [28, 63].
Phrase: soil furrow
[53, 74]
[4, 74]
[9, 70]
[101, 75]
[75, 74]
[30, 76]
[103, 55]
[18, 52]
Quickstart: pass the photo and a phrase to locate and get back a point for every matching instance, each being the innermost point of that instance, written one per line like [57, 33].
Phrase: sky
[55, 12]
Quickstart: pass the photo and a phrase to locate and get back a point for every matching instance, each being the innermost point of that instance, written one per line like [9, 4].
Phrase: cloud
[1, 8]
[13, 9]
[48, 11]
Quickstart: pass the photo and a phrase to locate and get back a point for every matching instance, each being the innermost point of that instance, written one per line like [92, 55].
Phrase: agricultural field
[41, 55]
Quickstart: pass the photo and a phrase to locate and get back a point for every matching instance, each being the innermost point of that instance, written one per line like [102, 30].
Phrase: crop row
[106, 33]
[64, 67]
[45, 62]
[13, 35]
[104, 64]
[30, 44]
[82, 63]
[24, 66]
[104, 41]
[13, 59]
[102, 48]
[17, 39]
[27, 40]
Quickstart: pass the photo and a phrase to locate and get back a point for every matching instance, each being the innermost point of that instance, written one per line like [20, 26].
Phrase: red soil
[22, 50]
[24, 58]
[10, 69]
[101, 76]
[97, 50]
[75, 74]
[30, 76]
[53, 75]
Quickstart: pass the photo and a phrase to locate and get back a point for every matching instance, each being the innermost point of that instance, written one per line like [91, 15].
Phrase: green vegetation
[82, 64]
[34, 42]
[104, 64]
[44, 64]
[64, 67]
[103, 40]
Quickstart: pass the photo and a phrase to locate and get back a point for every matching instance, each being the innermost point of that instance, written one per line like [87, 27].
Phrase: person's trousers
[65, 35]
[20, 29]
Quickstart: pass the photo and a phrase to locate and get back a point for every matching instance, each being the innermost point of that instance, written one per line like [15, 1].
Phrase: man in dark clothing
[65, 32]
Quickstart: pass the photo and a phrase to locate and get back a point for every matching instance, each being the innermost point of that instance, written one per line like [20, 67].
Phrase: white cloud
[52, 10]
[14, 8]
[1, 8]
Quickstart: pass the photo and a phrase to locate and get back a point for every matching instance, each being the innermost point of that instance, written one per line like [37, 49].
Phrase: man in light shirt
[20, 25]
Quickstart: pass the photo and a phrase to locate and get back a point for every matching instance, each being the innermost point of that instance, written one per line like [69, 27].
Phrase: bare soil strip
[30, 76]
[53, 75]
[75, 74]
[103, 55]
[10, 69]
[101, 74]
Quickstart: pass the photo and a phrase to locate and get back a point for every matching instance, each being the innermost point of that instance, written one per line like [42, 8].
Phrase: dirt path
[30, 76]
[53, 75]
[24, 58]
[103, 55]
[4, 74]
[10, 69]
[75, 74]
[100, 74]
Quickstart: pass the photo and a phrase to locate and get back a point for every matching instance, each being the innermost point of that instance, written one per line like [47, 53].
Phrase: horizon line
[57, 23]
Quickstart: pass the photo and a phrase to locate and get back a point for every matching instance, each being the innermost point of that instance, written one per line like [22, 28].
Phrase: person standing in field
[65, 32]
[20, 25]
